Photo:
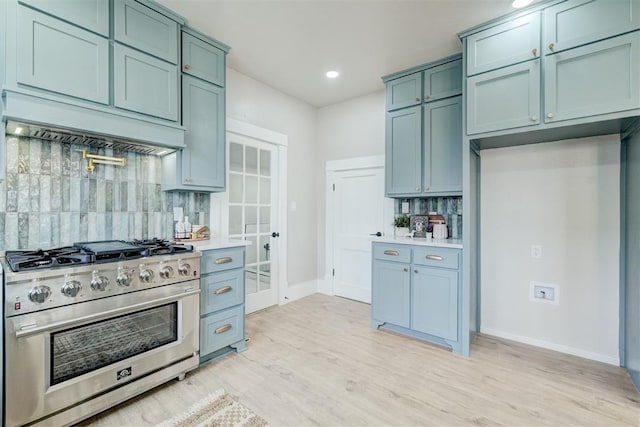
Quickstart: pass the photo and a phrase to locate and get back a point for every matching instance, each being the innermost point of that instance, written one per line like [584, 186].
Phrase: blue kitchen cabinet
[143, 28]
[144, 84]
[59, 57]
[92, 15]
[578, 22]
[442, 147]
[594, 79]
[222, 309]
[203, 60]
[442, 81]
[506, 98]
[404, 92]
[404, 151]
[419, 298]
[511, 42]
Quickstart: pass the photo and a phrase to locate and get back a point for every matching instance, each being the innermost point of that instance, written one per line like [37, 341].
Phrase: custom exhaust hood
[73, 122]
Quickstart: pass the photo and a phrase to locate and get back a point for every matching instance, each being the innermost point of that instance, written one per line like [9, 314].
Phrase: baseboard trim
[552, 346]
[301, 290]
[325, 286]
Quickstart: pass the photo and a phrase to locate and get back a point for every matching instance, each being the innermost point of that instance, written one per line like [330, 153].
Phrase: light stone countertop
[420, 241]
[218, 243]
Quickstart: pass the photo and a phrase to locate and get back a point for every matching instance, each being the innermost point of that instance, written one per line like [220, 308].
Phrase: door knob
[377, 233]
[274, 234]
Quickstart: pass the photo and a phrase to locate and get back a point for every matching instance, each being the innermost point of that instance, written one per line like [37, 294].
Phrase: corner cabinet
[222, 302]
[201, 166]
[416, 291]
[423, 153]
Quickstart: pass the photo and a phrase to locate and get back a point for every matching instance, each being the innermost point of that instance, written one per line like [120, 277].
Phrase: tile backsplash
[51, 200]
[449, 207]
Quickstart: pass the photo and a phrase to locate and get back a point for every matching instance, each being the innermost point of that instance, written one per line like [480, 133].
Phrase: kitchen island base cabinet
[419, 298]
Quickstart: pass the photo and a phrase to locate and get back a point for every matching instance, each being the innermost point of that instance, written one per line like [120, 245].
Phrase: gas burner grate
[41, 259]
[157, 246]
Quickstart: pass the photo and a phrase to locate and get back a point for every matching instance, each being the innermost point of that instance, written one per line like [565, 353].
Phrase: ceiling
[290, 44]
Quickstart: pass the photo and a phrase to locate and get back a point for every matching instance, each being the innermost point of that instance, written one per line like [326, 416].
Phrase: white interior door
[253, 215]
[358, 210]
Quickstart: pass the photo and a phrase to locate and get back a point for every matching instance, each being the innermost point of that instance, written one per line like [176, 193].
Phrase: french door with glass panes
[253, 216]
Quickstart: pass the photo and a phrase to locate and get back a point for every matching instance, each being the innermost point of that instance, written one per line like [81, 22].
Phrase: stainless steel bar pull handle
[392, 253]
[222, 290]
[222, 329]
[224, 260]
[435, 257]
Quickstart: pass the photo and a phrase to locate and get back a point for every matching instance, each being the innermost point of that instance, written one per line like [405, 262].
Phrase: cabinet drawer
[62, 58]
[220, 329]
[221, 290]
[404, 92]
[514, 41]
[143, 28]
[202, 60]
[90, 14]
[398, 253]
[221, 259]
[577, 22]
[436, 257]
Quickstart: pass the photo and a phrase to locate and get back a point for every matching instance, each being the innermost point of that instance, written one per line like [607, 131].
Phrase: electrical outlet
[536, 251]
[544, 292]
[405, 207]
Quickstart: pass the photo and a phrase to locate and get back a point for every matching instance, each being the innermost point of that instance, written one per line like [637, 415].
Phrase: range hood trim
[82, 120]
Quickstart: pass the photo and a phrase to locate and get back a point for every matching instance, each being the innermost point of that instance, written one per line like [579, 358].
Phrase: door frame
[331, 169]
[220, 201]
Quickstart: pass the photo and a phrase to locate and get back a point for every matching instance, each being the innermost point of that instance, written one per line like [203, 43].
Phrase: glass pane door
[252, 212]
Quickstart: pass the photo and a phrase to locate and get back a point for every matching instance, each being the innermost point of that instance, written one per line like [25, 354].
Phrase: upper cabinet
[145, 29]
[203, 60]
[92, 15]
[588, 71]
[423, 152]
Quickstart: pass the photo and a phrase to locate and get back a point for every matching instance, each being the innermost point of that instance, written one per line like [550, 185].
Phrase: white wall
[254, 102]
[353, 128]
[564, 196]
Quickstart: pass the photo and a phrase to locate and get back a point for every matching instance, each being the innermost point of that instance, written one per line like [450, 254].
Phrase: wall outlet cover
[405, 208]
[548, 293]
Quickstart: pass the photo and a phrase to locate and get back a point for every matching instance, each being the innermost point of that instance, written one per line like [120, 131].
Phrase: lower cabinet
[221, 302]
[416, 292]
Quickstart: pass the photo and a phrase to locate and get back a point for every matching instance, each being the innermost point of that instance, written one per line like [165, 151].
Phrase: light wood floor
[316, 362]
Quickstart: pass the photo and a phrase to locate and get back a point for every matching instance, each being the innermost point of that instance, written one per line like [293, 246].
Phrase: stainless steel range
[91, 325]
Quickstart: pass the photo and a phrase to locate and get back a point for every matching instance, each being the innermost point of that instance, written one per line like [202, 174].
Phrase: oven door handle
[32, 330]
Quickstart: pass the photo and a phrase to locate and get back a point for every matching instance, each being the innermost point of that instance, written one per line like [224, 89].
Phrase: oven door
[58, 358]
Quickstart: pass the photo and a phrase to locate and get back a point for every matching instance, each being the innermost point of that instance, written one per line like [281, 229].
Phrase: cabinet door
[578, 22]
[62, 58]
[514, 41]
[404, 92]
[403, 158]
[203, 161]
[594, 79]
[143, 28]
[144, 84]
[202, 60]
[90, 14]
[434, 302]
[391, 292]
[504, 99]
[442, 125]
[221, 290]
[443, 81]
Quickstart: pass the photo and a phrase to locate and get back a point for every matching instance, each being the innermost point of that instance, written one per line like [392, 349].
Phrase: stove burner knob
[146, 276]
[71, 289]
[184, 269]
[99, 283]
[166, 272]
[123, 279]
[39, 294]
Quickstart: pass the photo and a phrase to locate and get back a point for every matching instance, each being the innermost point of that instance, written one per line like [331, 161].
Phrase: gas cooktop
[92, 252]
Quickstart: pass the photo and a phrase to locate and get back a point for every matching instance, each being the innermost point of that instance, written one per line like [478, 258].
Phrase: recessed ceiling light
[332, 74]
[521, 3]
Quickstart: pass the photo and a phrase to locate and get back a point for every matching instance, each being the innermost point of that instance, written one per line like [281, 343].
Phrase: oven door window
[85, 348]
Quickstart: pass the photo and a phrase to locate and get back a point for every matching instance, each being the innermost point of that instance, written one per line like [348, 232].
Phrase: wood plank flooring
[316, 362]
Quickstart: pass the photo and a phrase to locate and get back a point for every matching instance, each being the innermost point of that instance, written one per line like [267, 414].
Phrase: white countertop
[421, 241]
[218, 243]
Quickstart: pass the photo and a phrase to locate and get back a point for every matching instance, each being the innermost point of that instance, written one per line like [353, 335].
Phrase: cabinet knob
[417, 99]
[415, 271]
[551, 46]
[550, 115]
[426, 98]
[187, 66]
[534, 118]
[405, 269]
[187, 179]
[534, 51]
